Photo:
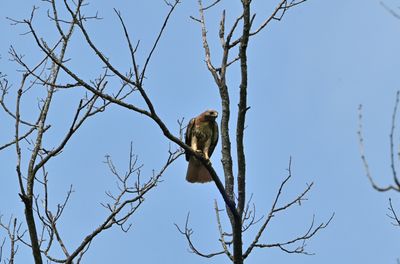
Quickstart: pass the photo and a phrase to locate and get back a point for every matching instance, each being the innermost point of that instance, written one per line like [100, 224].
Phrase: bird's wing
[214, 138]
[188, 136]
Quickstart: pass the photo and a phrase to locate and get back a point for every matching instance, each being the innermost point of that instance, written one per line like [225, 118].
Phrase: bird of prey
[201, 136]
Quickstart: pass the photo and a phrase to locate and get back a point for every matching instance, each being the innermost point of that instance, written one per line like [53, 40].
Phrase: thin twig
[363, 156]
[282, 7]
[188, 232]
[221, 232]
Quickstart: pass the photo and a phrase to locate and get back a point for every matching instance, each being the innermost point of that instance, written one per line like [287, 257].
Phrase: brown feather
[196, 172]
[188, 136]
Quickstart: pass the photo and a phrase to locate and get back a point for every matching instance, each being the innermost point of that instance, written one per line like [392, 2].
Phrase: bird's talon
[198, 151]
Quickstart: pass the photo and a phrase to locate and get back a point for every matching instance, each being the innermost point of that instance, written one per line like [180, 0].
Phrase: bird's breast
[200, 134]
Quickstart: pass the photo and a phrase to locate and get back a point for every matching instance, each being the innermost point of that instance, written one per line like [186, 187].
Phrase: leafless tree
[33, 154]
[99, 95]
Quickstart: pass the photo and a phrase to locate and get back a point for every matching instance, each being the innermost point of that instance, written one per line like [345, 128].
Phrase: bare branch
[131, 49]
[118, 205]
[206, 47]
[17, 137]
[13, 231]
[211, 5]
[312, 231]
[4, 89]
[172, 8]
[363, 156]
[275, 209]
[230, 34]
[49, 219]
[249, 216]
[222, 234]
[56, 19]
[188, 232]
[279, 12]
[393, 214]
[392, 165]
[1, 249]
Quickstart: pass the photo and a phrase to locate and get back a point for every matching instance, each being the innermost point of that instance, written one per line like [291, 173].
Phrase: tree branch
[312, 231]
[188, 232]
[393, 215]
[275, 209]
[222, 234]
[395, 187]
[282, 7]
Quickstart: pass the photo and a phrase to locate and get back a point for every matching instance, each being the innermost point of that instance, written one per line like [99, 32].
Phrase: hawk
[201, 136]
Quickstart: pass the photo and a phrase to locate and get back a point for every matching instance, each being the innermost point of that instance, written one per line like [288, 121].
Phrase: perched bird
[201, 136]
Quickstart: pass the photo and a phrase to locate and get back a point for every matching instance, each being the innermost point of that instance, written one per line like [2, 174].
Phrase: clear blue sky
[308, 74]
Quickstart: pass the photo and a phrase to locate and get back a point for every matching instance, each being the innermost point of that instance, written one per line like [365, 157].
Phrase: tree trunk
[30, 220]
[237, 243]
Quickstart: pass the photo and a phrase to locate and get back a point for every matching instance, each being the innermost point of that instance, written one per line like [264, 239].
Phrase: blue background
[307, 76]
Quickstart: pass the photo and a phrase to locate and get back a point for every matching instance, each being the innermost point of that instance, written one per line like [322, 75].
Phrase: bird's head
[210, 115]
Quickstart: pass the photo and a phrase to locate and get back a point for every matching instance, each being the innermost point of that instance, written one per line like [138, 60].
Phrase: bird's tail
[196, 172]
